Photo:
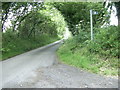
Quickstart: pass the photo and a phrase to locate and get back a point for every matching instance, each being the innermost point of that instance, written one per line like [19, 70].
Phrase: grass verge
[81, 58]
[18, 45]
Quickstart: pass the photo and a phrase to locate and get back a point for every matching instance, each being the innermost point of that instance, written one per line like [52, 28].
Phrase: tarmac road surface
[40, 68]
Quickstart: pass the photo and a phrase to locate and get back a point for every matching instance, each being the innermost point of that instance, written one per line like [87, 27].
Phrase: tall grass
[99, 56]
[13, 46]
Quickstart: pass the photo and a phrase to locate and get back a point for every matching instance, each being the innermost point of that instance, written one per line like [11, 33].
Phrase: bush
[106, 42]
[12, 45]
[98, 56]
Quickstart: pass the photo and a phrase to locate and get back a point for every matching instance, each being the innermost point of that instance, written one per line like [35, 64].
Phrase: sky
[113, 18]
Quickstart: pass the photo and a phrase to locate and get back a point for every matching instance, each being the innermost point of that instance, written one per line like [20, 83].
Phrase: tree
[78, 13]
[117, 5]
[110, 5]
[18, 11]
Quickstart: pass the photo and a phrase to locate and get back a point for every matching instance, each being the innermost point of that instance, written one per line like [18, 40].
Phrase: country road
[40, 68]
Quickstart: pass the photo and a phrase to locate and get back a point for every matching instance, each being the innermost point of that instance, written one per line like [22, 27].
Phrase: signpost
[91, 24]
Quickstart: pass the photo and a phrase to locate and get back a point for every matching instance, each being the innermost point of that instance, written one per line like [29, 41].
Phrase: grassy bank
[12, 47]
[81, 58]
[99, 56]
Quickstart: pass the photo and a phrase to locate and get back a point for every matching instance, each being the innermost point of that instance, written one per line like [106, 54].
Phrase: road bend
[40, 68]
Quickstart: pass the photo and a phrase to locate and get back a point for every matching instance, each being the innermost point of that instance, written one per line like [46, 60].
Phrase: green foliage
[106, 42]
[98, 56]
[68, 54]
[78, 13]
[17, 11]
[43, 24]
[39, 24]
[31, 28]
[13, 46]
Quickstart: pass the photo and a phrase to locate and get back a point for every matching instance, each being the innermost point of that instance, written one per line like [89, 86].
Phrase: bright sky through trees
[113, 18]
